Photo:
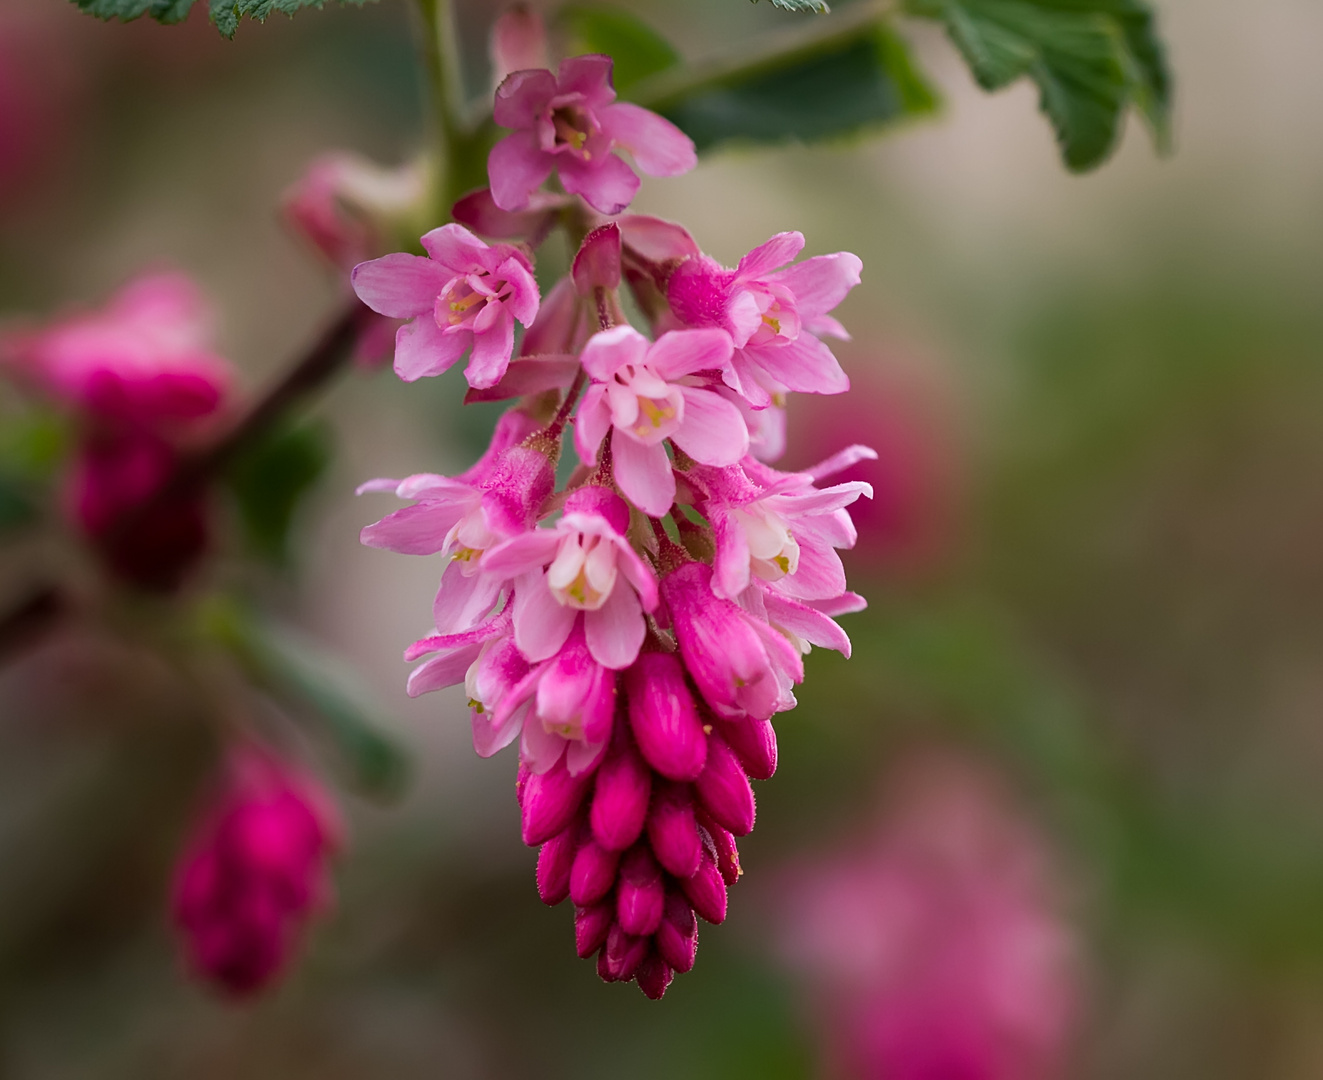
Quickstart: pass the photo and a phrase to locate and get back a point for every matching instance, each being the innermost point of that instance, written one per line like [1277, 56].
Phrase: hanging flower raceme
[255, 872]
[635, 632]
[142, 381]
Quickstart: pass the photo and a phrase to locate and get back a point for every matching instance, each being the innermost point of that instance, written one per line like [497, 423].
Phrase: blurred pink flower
[518, 43]
[255, 872]
[932, 947]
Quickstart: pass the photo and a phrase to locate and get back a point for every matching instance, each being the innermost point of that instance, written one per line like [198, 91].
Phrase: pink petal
[491, 736]
[845, 604]
[520, 97]
[589, 75]
[541, 623]
[713, 431]
[491, 352]
[765, 258]
[553, 331]
[400, 285]
[805, 365]
[657, 240]
[658, 146]
[591, 424]
[682, 352]
[582, 756]
[608, 184]
[643, 473]
[529, 375]
[841, 461]
[422, 349]
[610, 350]
[819, 575]
[479, 212]
[516, 168]
[442, 671]
[615, 630]
[455, 248]
[803, 621]
[414, 530]
[597, 264]
[730, 567]
[822, 282]
[464, 599]
[523, 301]
[539, 749]
[638, 573]
[518, 42]
[496, 626]
[521, 554]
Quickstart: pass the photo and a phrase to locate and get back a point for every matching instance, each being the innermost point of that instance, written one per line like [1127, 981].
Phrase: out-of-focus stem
[25, 623]
[441, 59]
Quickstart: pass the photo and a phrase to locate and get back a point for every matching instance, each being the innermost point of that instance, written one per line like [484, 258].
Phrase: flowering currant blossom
[571, 122]
[637, 675]
[142, 380]
[774, 314]
[464, 294]
[642, 394]
[255, 872]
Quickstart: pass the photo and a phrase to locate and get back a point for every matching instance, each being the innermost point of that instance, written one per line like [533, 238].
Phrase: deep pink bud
[673, 832]
[641, 895]
[754, 743]
[591, 925]
[724, 789]
[706, 890]
[594, 872]
[666, 723]
[620, 803]
[677, 936]
[597, 264]
[553, 866]
[550, 801]
[622, 955]
[728, 855]
[654, 976]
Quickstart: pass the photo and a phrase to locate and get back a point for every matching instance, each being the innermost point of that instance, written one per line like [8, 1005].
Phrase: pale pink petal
[494, 627]
[615, 630]
[658, 146]
[742, 377]
[608, 184]
[541, 623]
[841, 461]
[765, 258]
[400, 285]
[845, 604]
[822, 282]
[826, 326]
[464, 599]
[521, 554]
[491, 351]
[643, 473]
[591, 424]
[422, 349]
[539, 749]
[523, 302]
[819, 575]
[516, 168]
[824, 500]
[491, 736]
[441, 671]
[730, 567]
[589, 75]
[713, 431]
[804, 365]
[520, 97]
[610, 350]
[582, 756]
[806, 622]
[382, 484]
[518, 42]
[454, 248]
[414, 530]
[638, 573]
[529, 375]
[682, 352]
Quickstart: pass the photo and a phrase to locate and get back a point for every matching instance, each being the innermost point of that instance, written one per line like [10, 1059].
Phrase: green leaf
[827, 89]
[295, 669]
[637, 49]
[1090, 59]
[225, 14]
[271, 478]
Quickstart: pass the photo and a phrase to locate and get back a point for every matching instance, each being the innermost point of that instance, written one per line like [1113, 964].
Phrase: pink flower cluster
[254, 872]
[933, 947]
[636, 631]
[142, 380]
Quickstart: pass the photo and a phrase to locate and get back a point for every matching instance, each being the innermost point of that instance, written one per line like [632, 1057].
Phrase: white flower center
[584, 571]
[773, 550]
[644, 405]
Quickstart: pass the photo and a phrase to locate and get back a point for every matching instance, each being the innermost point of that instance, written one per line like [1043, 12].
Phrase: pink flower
[463, 517]
[933, 947]
[571, 122]
[585, 570]
[774, 314]
[464, 294]
[643, 394]
[518, 41]
[254, 872]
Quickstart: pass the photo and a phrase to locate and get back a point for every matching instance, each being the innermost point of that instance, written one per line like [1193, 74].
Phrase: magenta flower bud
[654, 976]
[673, 832]
[597, 265]
[728, 855]
[620, 803]
[724, 789]
[622, 954]
[641, 895]
[754, 743]
[550, 801]
[677, 936]
[706, 890]
[553, 866]
[666, 723]
[594, 872]
[591, 925]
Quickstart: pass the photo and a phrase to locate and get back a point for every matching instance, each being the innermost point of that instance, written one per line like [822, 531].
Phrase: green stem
[441, 59]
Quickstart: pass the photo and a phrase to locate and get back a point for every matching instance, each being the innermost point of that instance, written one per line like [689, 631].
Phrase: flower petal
[659, 147]
[399, 285]
[591, 424]
[455, 248]
[516, 168]
[422, 349]
[805, 365]
[615, 630]
[682, 352]
[713, 431]
[491, 352]
[608, 184]
[643, 473]
[464, 599]
[521, 96]
[767, 257]
[415, 530]
[822, 282]
[610, 350]
[441, 671]
[521, 554]
[541, 623]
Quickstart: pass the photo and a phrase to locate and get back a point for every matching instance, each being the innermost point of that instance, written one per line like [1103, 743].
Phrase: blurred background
[1094, 563]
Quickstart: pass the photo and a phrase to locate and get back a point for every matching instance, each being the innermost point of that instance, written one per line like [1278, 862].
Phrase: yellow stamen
[468, 554]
